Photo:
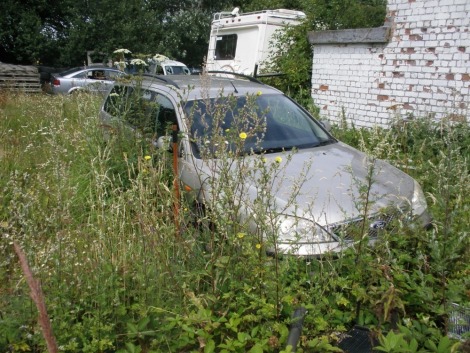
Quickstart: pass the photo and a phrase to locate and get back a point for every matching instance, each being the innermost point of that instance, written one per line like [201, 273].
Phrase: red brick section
[462, 49]
[449, 77]
[382, 97]
[465, 77]
[324, 88]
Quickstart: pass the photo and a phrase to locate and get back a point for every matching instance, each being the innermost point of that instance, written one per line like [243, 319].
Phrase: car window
[150, 113]
[287, 114]
[271, 122]
[177, 70]
[112, 75]
[82, 74]
[96, 74]
[159, 70]
[70, 71]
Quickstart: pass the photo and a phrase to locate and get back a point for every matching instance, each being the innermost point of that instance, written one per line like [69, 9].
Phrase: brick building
[418, 63]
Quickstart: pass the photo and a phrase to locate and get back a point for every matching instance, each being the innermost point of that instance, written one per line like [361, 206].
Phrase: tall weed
[121, 271]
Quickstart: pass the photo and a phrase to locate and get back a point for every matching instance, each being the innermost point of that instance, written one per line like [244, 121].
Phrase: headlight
[418, 201]
[300, 230]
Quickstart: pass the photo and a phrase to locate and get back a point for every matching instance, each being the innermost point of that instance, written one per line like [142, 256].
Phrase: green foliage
[59, 33]
[292, 53]
[341, 14]
[292, 57]
[119, 274]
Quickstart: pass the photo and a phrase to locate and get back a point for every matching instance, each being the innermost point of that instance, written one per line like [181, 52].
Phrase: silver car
[248, 149]
[89, 79]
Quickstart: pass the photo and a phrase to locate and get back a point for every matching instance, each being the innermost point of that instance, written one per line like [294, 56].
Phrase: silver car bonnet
[327, 184]
[342, 183]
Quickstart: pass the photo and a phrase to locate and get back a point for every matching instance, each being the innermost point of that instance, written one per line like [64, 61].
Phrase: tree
[26, 28]
[340, 14]
[292, 54]
[59, 32]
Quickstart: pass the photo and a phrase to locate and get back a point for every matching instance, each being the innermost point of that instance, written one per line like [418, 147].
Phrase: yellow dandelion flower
[227, 130]
[264, 160]
[241, 235]
[242, 135]
[258, 246]
[278, 159]
[259, 93]
[147, 158]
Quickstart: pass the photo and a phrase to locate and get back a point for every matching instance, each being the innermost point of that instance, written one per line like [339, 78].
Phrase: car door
[96, 81]
[153, 115]
[167, 117]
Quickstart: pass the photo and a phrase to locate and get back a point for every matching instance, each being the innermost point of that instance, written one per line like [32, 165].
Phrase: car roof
[192, 87]
[171, 63]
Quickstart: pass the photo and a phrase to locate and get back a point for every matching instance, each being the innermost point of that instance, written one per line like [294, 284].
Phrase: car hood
[327, 184]
[337, 183]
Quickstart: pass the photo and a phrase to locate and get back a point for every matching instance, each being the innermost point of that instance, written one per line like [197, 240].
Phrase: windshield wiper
[273, 149]
[324, 143]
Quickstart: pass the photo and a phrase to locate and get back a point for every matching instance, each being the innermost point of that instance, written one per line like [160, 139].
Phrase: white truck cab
[238, 42]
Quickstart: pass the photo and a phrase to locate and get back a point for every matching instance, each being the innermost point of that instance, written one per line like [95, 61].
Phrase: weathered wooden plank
[22, 79]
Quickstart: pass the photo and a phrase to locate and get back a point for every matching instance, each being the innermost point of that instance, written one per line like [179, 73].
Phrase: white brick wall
[424, 68]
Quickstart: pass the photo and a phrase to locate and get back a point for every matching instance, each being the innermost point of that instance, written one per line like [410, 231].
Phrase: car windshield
[265, 123]
[177, 70]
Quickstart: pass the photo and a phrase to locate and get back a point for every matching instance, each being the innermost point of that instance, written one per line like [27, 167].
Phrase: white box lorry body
[238, 42]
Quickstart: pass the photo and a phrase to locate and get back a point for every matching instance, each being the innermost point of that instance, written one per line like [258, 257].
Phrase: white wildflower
[160, 57]
[120, 63]
[122, 51]
[138, 62]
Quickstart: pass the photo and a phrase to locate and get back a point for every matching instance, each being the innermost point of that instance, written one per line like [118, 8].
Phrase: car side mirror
[326, 124]
[164, 142]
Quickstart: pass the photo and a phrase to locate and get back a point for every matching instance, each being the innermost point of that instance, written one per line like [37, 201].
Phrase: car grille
[373, 226]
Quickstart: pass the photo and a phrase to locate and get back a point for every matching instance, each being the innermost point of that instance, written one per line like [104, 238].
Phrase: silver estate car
[303, 190]
[88, 78]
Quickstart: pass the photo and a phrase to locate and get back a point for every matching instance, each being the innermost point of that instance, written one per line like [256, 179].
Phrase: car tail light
[56, 82]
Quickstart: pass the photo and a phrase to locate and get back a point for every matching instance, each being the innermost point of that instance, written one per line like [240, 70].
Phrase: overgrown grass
[121, 273]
